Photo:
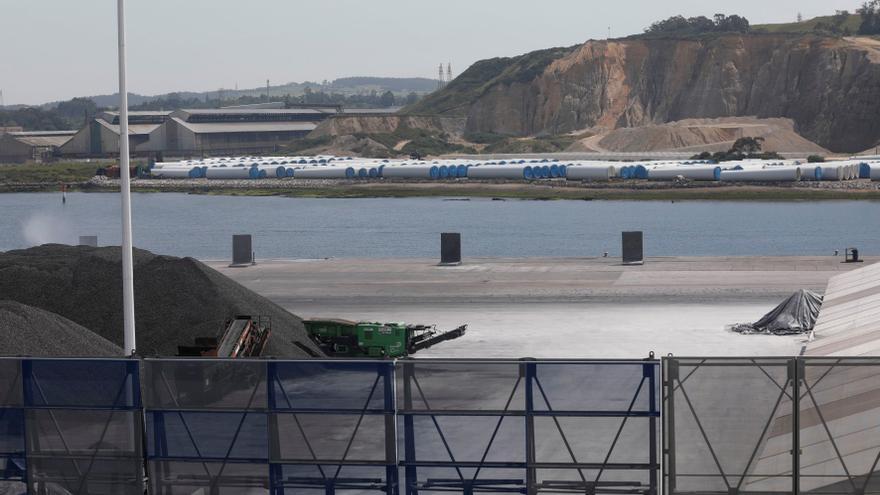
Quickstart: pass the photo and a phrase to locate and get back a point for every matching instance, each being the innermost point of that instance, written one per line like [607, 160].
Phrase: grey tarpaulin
[797, 314]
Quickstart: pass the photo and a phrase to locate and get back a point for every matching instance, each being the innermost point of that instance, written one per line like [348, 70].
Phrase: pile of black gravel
[176, 299]
[29, 331]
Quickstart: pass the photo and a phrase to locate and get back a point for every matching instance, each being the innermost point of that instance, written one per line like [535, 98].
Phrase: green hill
[848, 23]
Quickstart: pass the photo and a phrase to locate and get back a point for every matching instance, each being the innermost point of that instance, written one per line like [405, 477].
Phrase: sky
[59, 49]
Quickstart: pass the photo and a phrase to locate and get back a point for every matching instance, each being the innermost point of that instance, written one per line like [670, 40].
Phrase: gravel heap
[29, 331]
[176, 299]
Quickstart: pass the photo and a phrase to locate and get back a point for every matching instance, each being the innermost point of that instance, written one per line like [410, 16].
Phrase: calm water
[202, 226]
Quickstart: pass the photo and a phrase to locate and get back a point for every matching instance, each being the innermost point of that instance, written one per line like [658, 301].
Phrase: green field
[809, 25]
[48, 173]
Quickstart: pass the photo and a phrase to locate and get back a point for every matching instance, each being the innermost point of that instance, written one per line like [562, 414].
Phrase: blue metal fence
[529, 426]
[71, 426]
[13, 465]
[327, 426]
[282, 426]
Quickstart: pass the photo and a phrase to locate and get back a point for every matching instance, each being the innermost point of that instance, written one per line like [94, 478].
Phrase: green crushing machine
[344, 338]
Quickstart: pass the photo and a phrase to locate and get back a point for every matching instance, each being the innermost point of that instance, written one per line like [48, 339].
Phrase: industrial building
[100, 137]
[39, 146]
[198, 132]
[233, 130]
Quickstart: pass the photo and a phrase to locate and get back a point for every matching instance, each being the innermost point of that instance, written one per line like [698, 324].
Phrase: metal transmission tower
[440, 81]
[449, 72]
[267, 91]
[1, 98]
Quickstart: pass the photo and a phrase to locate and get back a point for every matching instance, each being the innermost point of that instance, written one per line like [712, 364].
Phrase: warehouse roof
[369, 111]
[45, 138]
[133, 129]
[849, 322]
[141, 113]
[240, 127]
[254, 111]
[43, 133]
[137, 117]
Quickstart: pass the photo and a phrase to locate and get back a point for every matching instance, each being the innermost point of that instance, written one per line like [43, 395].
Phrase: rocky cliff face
[830, 87]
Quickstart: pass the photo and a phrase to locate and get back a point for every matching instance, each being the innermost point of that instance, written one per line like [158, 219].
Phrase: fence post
[531, 472]
[409, 443]
[795, 372]
[391, 474]
[650, 372]
[27, 400]
[670, 374]
[276, 484]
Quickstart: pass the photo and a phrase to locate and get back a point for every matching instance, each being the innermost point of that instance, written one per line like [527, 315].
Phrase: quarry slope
[828, 86]
[700, 135]
[177, 299]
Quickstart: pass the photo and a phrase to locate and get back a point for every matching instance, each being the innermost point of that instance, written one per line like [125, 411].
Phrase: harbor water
[201, 226]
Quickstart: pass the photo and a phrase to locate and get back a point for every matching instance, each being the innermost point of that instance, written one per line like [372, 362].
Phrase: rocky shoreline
[551, 189]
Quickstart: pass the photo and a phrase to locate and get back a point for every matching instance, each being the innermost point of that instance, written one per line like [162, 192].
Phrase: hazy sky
[58, 49]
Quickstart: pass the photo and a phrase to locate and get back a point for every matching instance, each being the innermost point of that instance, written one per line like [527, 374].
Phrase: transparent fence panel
[10, 383]
[82, 425]
[729, 425]
[333, 426]
[226, 435]
[463, 425]
[529, 426]
[64, 432]
[839, 425]
[227, 478]
[86, 475]
[597, 425]
[206, 426]
[250, 426]
[90, 384]
[13, 466]
[205, 384]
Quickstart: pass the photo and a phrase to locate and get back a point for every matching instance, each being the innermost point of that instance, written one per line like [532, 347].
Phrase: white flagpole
[125, 191]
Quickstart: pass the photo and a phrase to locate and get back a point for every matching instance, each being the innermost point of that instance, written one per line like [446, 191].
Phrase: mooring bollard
[633, 248]
[450, 248]
[88, 240]
[242, 250]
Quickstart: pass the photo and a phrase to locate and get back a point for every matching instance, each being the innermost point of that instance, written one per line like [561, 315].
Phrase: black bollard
[450, 248]
[242, 250]
[88, 240]
[633, 248]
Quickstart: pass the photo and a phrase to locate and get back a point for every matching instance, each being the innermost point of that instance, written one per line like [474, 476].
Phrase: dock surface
[555, 307]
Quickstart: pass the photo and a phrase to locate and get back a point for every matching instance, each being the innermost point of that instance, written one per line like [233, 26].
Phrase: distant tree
[870, 14]
[747, 145]
[744, 148]
[701, 24]
[836, 26]
[34, 119]
[387, 99]
[411, 98]
[719, 23]
[815, 159]
[732, 23]
[77, 111]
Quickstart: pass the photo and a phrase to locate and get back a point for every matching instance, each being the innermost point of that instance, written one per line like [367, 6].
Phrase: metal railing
[771, 425]
[74, 424]
[529, 426]
[707, 425]
[328, 426]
